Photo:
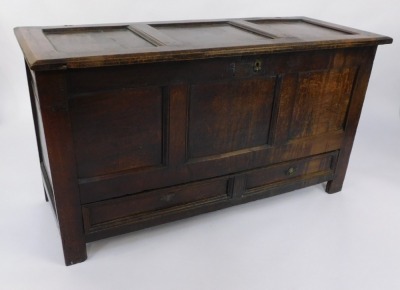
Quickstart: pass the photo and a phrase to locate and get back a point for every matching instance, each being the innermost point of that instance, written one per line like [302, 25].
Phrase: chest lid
[117, 44]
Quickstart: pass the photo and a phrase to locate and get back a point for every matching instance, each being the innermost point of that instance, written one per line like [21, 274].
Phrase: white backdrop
[301, 240]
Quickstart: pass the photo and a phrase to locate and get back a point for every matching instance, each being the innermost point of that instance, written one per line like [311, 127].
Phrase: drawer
[289, 172]
[118, 212]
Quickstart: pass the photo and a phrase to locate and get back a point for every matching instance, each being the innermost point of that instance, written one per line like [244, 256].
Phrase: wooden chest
[139, 124]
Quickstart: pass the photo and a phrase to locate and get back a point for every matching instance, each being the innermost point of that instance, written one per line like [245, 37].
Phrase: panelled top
[99, 45]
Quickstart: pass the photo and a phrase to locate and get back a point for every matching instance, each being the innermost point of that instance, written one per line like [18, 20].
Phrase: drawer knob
[257, 65]
[291, 171]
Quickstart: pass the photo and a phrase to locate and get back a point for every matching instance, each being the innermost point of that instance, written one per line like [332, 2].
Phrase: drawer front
[262, 179]
[147, 205]
[168, 204]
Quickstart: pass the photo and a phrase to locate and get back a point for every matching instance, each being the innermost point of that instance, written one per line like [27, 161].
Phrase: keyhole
[257, 65]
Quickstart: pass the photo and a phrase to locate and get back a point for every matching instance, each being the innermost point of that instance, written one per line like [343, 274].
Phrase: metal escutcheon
[291, 171]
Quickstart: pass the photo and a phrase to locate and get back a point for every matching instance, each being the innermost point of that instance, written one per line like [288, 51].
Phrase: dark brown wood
[96, 113]
[351, 122]
[35, 115]
[112, 44]
[139, 124]
[57, 134]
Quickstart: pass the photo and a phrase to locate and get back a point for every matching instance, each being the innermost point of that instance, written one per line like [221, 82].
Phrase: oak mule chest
[139, 124]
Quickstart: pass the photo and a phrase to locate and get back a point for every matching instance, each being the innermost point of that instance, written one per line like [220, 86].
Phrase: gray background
[305, 239]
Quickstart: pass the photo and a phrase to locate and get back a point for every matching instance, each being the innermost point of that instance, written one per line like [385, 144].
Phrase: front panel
[192, 121]
[225, 117]
[118, 130]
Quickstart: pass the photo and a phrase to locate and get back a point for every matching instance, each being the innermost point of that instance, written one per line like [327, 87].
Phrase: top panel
[95, 40]
[301, 29]
[47, 48]
[210, 34]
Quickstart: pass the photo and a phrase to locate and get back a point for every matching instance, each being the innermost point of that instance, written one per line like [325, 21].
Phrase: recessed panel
[299, 29]
[217, 34]
[95, 40]
[321, 102]
[117, 131]
[229, 116]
